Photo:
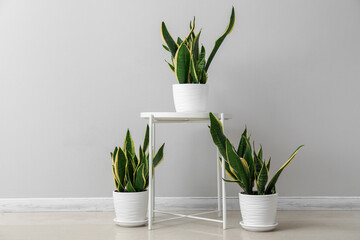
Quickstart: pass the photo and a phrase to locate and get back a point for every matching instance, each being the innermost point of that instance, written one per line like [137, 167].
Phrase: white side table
[175, 117]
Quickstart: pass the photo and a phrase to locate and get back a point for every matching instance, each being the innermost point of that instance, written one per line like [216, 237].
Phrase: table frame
[173, 117]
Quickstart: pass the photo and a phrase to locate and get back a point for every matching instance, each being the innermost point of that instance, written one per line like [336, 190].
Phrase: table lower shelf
[193, 216]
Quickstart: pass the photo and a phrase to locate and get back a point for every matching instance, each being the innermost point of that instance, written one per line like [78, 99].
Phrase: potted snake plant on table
[189, 63]
[247, 168]
[131, 177]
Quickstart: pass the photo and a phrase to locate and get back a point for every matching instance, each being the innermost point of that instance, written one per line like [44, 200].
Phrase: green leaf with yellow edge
[228, 169]
[179, 41]
[173, 47]
[260, 153]
[170, 66]
[235, 181]
[129, 144]
[204, 77]
[239, 166]
[262, 179]
[268, 164]
[217, 134]
[146, 139]
[182, 63]
[166, 48]
[130, 187]
[195, 48]
[159, 156]
[136, 160]
[242, 144]
[192, 28]
[250, 161]
[118, 185]
[120, 166]
[193, 72]
[270, 187]
[113, 155]
[140, 179]
[236, 178]
[219, 41]
[130, 167]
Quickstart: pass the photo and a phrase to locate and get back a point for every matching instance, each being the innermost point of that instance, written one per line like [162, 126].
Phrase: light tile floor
[293, 225]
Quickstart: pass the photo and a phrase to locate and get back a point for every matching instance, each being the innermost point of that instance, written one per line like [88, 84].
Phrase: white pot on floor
[258, 211]
[130, 208]
[190, 97]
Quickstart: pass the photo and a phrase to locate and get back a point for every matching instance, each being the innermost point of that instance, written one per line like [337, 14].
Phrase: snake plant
[245, 166]
[188, 59]
[131, 172]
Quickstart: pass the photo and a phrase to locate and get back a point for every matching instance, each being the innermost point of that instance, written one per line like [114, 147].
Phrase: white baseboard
[172, 203]
[284, 203]
[56, 204]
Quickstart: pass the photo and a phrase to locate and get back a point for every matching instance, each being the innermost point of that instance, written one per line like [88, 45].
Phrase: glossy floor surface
[293, 225]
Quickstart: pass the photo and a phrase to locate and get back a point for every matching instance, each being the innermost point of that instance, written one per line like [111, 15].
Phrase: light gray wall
[74, 75]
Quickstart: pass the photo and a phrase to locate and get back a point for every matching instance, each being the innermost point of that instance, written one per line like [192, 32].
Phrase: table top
[181, 116]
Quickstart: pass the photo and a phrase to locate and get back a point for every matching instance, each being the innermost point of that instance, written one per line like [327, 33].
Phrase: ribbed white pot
[190, 97]
[130, 207]
[258, 210]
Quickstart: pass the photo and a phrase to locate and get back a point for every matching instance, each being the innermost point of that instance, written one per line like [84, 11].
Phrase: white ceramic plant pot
[258, 211]
[130, 208]
[190, 97]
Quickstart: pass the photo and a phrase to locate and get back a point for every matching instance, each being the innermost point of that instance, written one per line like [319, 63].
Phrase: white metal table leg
[222, 119]
[153, 179]
[151, 136]
[218, 179]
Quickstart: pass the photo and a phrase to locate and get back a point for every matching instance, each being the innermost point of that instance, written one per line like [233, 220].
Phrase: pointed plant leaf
[219, 41]
[140, 179]
[116, 180]
[228, 169]
[182, 63]
[192, 28]
[179, 41]
[113, 155]
[136, 161]
[217, 134]
[237, 164]
[193, 72]
[170, 66]
[166, 48]
[260, 153]
[202, 53]
[120, 166]
[273, 190]
[130, 167]
[250, 161]
[147, 163]
[141, 154]
[268, 164]
[235, 181]
[173, 47]
[242, 144]
[130, 187]
[257, 162]
[129, 144]
[271, 185]
[262, 179]
[147, 181]
[159, 156]
[203, 77]
[146, 139]
[246, 166]
[187, 41]
[195, 48]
